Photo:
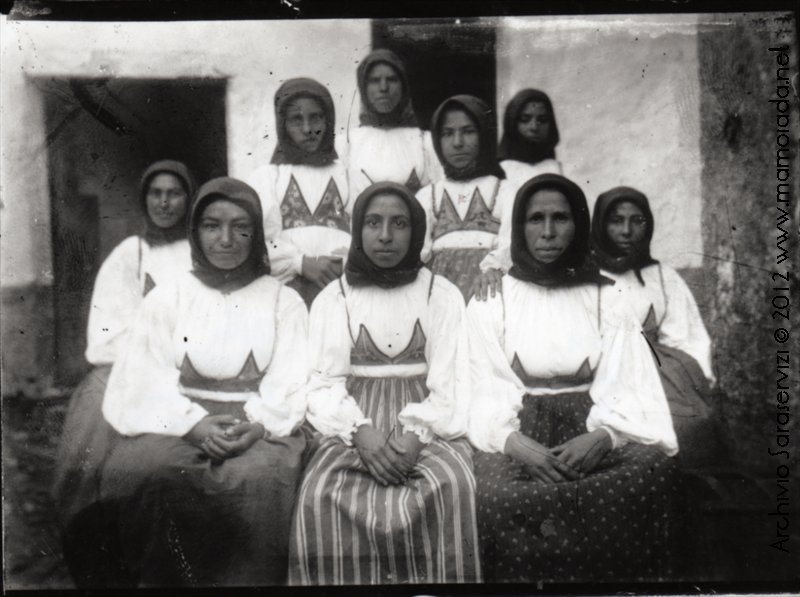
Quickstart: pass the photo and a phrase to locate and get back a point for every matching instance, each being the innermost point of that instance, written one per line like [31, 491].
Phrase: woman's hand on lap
[207, 428]
[382, 462]
[408, 447]
[538, 461]
[585, 451]
[238, 438]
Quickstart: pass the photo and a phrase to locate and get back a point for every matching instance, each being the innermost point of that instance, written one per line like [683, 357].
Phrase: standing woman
[622, 228]
[389, 495]
[463, 210]
[388, 145]
[209, 395]
[133, 269]
[304, 191]
[574, 482]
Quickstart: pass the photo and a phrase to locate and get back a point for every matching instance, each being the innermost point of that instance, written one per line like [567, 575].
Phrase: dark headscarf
[484, 120]
[153, 234]
[572, 267]
[286, 152]
[605, 253]
[256, 264]
[360, 270]
[403, 115]
[513, 145]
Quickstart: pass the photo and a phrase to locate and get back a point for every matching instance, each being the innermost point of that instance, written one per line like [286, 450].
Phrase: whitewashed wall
[625, 90]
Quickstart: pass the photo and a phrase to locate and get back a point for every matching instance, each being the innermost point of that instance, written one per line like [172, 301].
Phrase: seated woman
[573, 478]
[209, 395]
[304, 191]
[388, 145]
[622, 228]
[132, 269]
[464, 210]
[389, 495]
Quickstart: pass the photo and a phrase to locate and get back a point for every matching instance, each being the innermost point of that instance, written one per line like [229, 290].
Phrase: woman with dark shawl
[208, 396]
[304, 191]
[464, 209]
[388, 145]
[574, 480]
[622, 228]
[389, 495]
[157, 255]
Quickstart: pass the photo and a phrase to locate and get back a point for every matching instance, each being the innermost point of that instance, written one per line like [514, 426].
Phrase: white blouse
[554, 332]
[130, 270]
[679, 322]
[380, 155]
[390, 316]
[286, 247]
[219, 334]
[492, 190]
[517, 174]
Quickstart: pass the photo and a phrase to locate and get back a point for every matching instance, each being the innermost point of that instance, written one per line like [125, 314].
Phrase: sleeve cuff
[424, 433]
[617, 441]
[347, 436]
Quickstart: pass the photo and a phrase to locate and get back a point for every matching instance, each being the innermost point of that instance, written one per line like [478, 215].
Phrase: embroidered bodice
[365, 352]
[330, 211]
[479, 216]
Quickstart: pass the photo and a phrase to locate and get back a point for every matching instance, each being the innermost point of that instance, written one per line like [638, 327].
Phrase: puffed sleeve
[116, 296]
[281, 404]
[425, 198]
[444, 412]
[331, 410]
[683, 327]
[496, 390]
[628, 397]
[142, 393]
[285, 259]
[433, 166]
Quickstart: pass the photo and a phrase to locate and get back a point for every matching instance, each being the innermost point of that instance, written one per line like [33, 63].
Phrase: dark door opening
[444, 57]
[102, 133]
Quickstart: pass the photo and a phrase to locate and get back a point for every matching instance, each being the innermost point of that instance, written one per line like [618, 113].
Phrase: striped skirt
[349, 529]
[460, 266]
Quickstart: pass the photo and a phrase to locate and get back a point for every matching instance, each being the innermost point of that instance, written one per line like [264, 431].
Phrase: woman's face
[306, 123]
[384, 88]
[626, 226]
[534, 122]
[386, 235]
[549, 226]
[460, 139]
[166, 200]
[226, 234]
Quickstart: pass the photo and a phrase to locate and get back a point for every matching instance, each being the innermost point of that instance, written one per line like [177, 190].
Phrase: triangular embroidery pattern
[413, 183]
[583, 375]
[148, 285]
[365, 352]
[247, 380]
[478, 216]
[330, 211]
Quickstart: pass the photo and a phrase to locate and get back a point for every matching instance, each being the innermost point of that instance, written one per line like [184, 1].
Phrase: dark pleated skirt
[349, 529]
[689, 398]
[613, 525]
[185, 520]
[90, 551]
[460, 266]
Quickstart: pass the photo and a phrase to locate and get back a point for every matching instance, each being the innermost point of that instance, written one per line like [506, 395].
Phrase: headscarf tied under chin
[572, 267]
[483, 118]
[513, 145]
[360, 270]
[403, 115]
[154, 234]
[605, 252]
[256, 264]
[286, 152]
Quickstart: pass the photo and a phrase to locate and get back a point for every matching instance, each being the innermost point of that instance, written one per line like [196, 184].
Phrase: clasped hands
[569, 461]
[389, 460]
[224, 436]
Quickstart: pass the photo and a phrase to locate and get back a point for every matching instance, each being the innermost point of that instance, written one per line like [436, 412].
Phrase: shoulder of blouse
[444, 292]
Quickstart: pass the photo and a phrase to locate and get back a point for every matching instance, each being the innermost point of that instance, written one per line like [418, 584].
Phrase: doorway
[101, 135]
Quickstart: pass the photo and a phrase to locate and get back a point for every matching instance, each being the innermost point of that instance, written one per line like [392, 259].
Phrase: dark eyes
[538, 217]
[634, 220]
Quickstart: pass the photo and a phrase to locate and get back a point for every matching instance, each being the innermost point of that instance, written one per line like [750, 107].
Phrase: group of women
[394, 434]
